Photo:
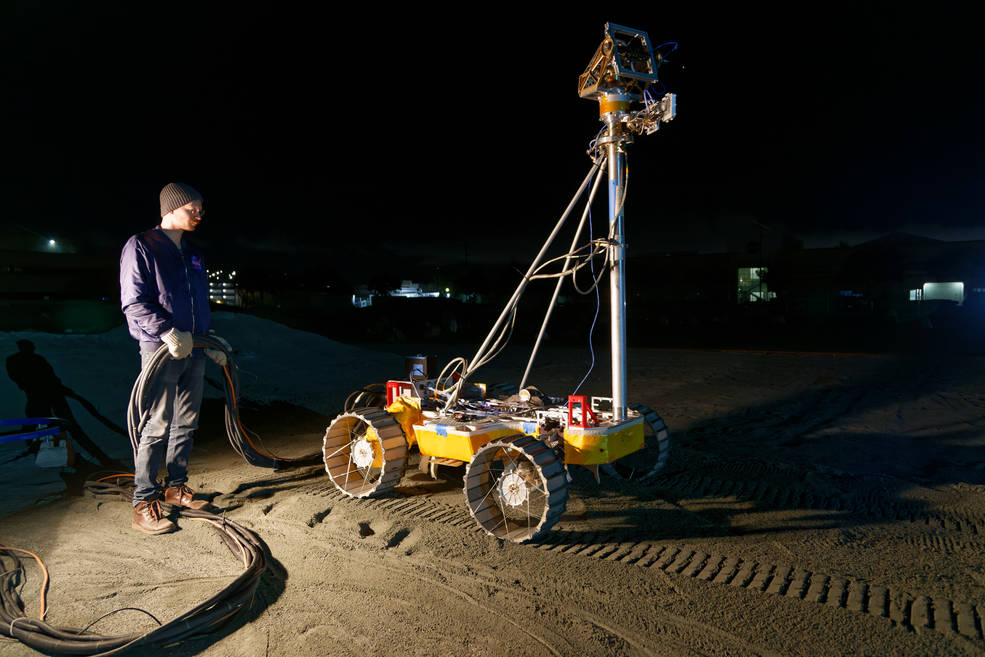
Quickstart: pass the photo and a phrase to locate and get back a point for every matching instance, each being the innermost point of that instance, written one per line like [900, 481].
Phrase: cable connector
[649, 118]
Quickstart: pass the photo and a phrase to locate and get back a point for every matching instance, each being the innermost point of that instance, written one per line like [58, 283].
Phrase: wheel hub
[513, 489]
[362, 453]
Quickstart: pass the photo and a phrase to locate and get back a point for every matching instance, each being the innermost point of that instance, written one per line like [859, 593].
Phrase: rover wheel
[365, 452]
[516, 488]
[373, 394]
[650, 460]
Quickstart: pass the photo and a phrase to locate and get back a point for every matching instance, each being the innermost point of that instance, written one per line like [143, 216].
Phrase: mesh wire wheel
[516, 488]
[365, 452]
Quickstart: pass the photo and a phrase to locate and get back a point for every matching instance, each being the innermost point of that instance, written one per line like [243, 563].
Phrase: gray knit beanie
[175, 195]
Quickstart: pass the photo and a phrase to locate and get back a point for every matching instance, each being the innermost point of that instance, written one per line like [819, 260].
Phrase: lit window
[952, 291]
[752, 287]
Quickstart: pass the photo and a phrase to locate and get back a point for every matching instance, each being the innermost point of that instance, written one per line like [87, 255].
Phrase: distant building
[898, 277]
[752, 285]
[363, 296]
[223, 289]
[411, 290]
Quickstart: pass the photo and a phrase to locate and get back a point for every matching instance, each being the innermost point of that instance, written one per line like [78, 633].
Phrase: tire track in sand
[788, 496]
[910, 611]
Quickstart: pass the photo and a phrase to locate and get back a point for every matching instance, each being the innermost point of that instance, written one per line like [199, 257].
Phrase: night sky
[357, 138]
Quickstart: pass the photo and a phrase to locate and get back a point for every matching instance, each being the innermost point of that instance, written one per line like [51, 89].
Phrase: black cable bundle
[201, 619]
[239, 438]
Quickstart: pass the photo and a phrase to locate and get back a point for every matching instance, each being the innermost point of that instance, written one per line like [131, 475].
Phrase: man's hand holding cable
[218, 357]
[180, 343]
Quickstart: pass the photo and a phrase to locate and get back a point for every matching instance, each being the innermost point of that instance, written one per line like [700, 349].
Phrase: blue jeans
[174, 400]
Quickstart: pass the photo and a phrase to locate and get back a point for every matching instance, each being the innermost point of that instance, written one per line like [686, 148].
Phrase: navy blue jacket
[162, 288]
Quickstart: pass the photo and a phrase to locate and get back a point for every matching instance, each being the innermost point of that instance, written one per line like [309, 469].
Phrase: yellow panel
[594, 449]
[456, 445]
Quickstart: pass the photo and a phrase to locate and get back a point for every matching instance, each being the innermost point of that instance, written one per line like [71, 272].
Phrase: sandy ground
[814, 505]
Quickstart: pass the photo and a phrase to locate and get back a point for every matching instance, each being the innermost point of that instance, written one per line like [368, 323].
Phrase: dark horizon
[312, 132]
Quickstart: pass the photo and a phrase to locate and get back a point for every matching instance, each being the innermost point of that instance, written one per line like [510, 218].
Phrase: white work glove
[180, 343]
[218, 356]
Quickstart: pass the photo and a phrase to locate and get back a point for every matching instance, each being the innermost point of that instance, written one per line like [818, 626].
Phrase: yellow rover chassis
[582, 445]
[600, 445]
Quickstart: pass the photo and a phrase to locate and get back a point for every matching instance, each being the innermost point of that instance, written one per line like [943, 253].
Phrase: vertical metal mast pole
[617, 252]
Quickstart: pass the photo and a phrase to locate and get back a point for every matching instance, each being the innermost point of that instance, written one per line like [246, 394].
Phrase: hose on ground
[246, 444]
[200, 619]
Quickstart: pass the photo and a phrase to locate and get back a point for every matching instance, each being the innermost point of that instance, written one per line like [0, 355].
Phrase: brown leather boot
[183, 496]
[149, 518]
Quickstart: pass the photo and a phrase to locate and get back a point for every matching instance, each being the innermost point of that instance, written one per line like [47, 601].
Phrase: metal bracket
[624, 62]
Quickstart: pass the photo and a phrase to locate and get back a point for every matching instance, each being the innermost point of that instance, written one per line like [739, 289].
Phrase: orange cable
[240, 424]
[44, 583]
[234, 611]
[116, 476]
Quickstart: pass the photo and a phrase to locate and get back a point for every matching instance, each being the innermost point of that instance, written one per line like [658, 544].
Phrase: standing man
[164, 293]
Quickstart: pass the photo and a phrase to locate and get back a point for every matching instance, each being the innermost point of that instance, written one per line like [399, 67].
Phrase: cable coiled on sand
[247, 446]
[200, 619]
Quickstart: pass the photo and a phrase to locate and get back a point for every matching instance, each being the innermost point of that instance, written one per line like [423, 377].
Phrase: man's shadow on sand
[47, 397]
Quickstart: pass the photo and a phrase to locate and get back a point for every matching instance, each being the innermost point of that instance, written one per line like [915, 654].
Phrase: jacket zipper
[188, 285]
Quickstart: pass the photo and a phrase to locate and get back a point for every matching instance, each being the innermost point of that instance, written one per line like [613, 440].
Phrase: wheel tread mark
[585, 539]
[636, 554]
[857, 595]
[746, 572]
[794, 496]
[798, 584]
[663, 560]
[549, 540]
[837, 592]
[573, 541]
[696, 564]
[879, 601]
[818, 589]
[683, 559]
[730, 567]
[921, 614]
[780, 582]
[712, 567]
[762, 578]
[899, 609]
[622, 550]
[412, 508]
[593, 550]
[944, 620]
[910, 612]
[586, 542]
